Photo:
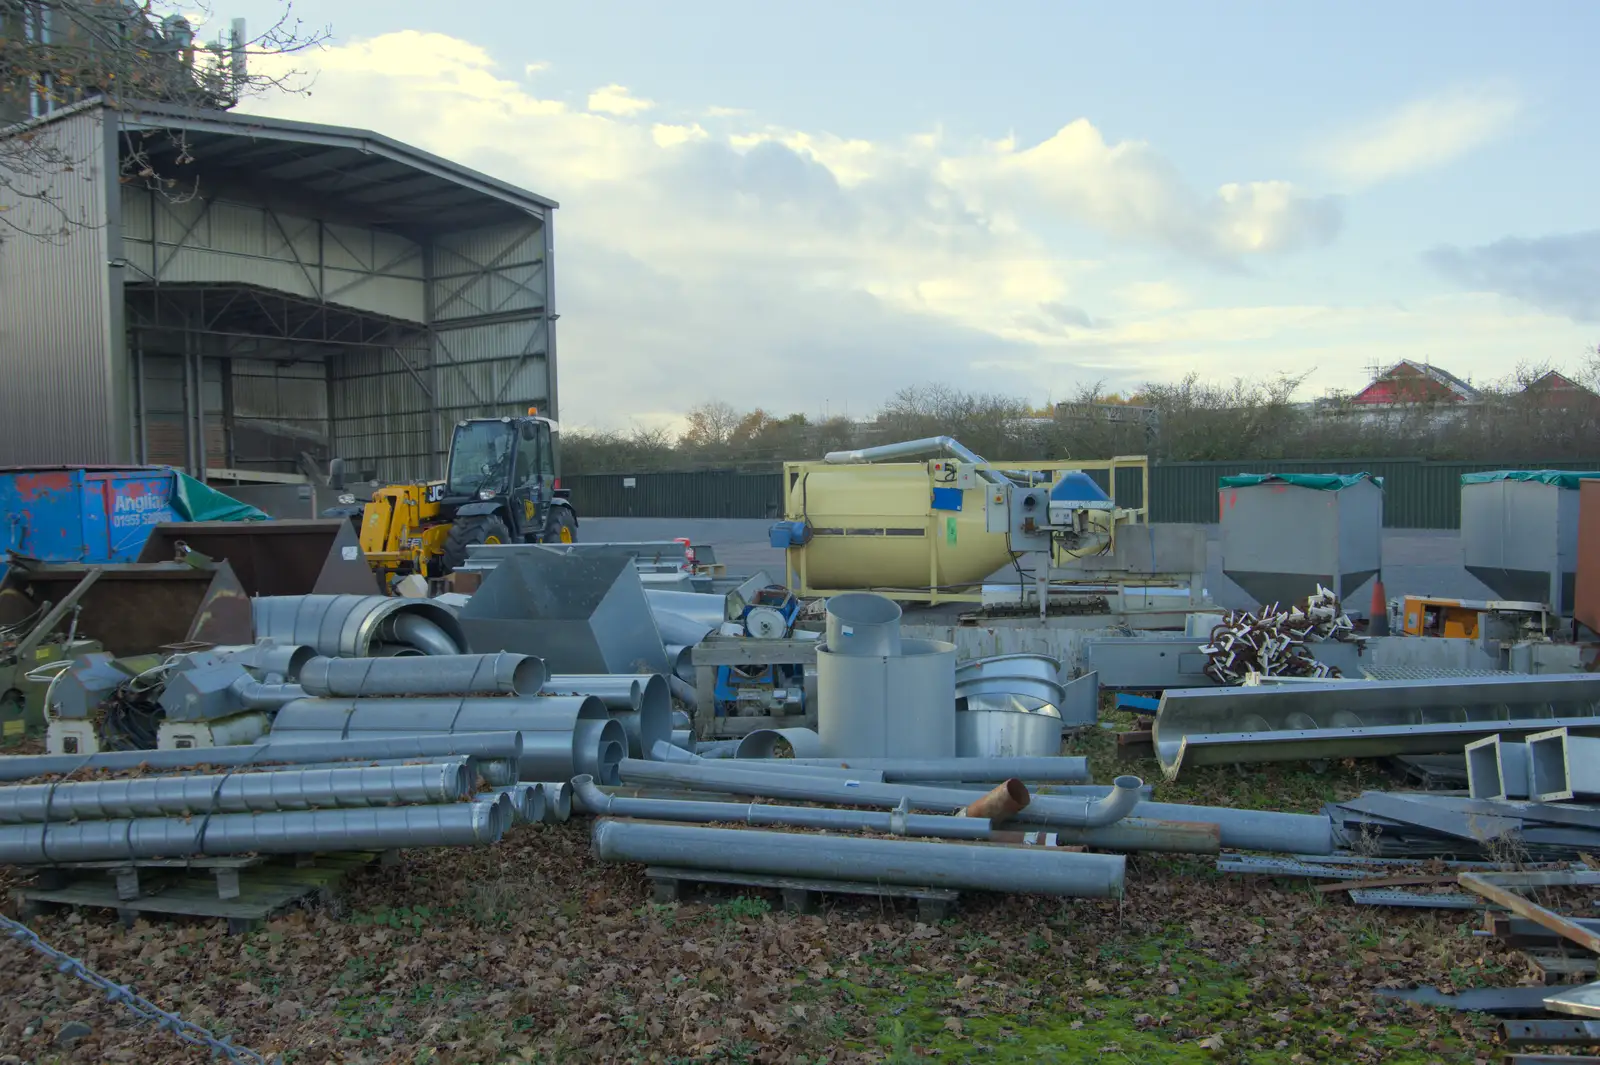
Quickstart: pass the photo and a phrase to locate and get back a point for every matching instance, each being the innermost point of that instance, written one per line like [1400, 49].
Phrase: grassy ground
[531, 951]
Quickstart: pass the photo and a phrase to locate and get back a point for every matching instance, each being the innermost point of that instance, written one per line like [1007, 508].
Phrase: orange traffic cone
[1378, 614]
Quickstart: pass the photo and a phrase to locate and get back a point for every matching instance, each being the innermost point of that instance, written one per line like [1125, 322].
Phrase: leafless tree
[55, 53]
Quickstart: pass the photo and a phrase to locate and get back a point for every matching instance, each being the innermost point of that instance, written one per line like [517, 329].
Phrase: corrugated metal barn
[244, 297]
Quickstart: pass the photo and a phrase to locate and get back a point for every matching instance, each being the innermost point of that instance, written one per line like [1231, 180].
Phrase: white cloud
[1128, 190]
[531, 69]
[1423, 133]
[788, 268]
[726, 112]
[616, 100]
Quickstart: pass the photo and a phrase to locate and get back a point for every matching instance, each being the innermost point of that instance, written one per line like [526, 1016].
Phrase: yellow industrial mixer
[932, 530]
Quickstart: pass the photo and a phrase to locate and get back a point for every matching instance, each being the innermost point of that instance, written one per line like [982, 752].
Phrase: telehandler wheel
[477, 529]
[561, 528]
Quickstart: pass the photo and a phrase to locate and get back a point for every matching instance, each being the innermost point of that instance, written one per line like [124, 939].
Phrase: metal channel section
[1332, 720]
[1563, 766]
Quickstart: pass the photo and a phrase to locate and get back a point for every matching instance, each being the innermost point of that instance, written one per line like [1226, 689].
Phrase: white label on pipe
[852, 783]
[349, 554]
[846, 630]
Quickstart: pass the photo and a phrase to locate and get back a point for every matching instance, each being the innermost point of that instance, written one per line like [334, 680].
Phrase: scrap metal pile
[1272, 643]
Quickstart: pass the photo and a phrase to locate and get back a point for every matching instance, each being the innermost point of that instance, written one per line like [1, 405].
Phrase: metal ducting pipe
[557, 800]
[317, 748]
[680, 662]
[674, 751]
[905, 449]
[717, 749]
[675, 629]
[394, 650]
[1248, 830]
[495, 772]
[591, 753]
[268, 658]
[490, 674]
[351, 717]
[684, 692]
[597, 802]
[863, 624]
[527, 801]
[253, 694]
[1128, 834]
[619, 691]
[763, 743]
[702, 608]
[299, 789]
[669, 753]
[350, 626]
[941, 770]
[454, 824]
[641, 702]
[962, 866]
[422, 633]
[684, 740]
[1087, 812]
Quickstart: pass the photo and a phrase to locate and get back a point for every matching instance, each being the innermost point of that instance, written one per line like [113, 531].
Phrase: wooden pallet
[244, 891]
[800, 894]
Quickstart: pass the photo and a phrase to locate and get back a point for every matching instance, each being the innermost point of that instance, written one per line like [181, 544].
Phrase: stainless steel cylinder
[863, 623]
[1008, 733]
[901, 706]
[347, 626]
[490, 674]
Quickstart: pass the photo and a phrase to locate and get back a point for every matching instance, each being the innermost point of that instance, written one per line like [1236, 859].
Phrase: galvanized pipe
[252, 694]
[422, 633]
[619, 691]
[453, 824]
[642, 702]
[268, 658]
[351, 626]
[350, 717]
[527, 801]
[905, 449]
[557, 800]
[495, 772]
[665, 752]
[702, 608]
[596, 802]
[1129, 834]
[684, 692]
[1060, 810]
[299, 789]
[316, 748]
[803, 743]
[489, 674]
[863, 624]
[963, 866]
[966, 770]
[546, 753]
[1246, 830]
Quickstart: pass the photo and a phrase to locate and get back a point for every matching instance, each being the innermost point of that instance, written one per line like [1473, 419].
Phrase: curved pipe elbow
[254, 695]
[1115, 805]
[422, 634]
[589, 796]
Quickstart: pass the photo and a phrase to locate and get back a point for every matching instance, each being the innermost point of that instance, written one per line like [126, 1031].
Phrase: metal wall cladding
[381, 417]
[232, 240]
[701, 494]
[494, 270]
[65, 398]
[493, 369]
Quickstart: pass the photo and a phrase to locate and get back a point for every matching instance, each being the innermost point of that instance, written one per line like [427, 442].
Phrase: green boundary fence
[1417, 494]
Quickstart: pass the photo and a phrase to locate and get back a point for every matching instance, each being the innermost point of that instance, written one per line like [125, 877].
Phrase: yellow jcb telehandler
[500, 487]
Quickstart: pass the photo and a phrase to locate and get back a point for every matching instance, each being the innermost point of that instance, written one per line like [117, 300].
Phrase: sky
[809, 207]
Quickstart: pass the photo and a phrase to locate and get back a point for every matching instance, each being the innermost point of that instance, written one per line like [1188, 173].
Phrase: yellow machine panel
[1454, 618]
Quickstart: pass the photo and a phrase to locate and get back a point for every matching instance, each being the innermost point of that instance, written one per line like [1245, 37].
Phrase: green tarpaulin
[1322, 482]
[1559, 478]
[197, 501]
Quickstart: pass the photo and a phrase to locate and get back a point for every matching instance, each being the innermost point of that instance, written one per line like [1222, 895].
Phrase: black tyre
[561, 528]
[477, 529]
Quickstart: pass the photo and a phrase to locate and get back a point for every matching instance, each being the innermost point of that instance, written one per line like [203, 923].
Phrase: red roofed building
[1558, 392]
[1410, 383]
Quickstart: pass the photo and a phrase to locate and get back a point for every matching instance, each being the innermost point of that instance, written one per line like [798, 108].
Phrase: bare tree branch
[56, 53]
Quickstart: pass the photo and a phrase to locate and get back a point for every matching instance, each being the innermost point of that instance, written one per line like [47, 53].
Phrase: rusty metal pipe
[1004, 801]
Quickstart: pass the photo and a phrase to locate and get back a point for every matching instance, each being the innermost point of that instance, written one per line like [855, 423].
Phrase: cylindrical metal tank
[1519, 533]
[1284, 534]
[875, 526]
[861, 623]
[901, 706]
[984, 733]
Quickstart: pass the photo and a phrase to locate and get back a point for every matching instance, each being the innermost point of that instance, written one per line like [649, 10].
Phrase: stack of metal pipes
[990, 832]
[273, 797]
[569, 725]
